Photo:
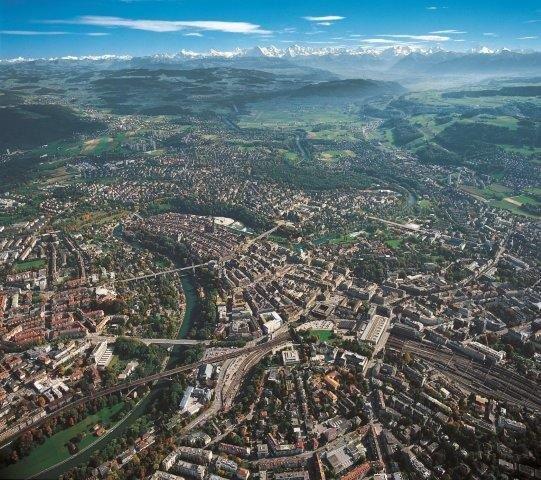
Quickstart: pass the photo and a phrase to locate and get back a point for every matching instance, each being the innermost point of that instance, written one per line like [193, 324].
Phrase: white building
[271, 322]
[290, 357]
[375, 329]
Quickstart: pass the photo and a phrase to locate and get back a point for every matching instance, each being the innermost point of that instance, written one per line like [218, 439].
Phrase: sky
[52, 28]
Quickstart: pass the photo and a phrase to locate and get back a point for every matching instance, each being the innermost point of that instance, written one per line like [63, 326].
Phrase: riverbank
[176, 354]
[83, 457]
[53, 450]
[51, 460]
[191, 300]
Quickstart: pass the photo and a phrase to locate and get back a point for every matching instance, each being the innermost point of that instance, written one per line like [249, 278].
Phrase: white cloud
[531, 37]
[533, 21]
[423, 38]
[324, 24]
[448, 32]
[326, 18]
[193, 34]
[97, 34]
[431, 8]
[490, 34]
[381, 40]
[166, 25]
[31, 32]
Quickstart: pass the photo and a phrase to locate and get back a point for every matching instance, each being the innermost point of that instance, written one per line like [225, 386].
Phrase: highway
[14, 432]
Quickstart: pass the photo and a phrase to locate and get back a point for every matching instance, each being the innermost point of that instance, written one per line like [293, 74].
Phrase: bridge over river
[94, 338]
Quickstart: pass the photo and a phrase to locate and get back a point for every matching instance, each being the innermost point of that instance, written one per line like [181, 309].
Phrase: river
[191, 310]
[86, 455]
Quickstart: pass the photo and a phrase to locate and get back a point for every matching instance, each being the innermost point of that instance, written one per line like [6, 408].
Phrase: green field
[336, 239]
[502, 197]
[92, 218]
[494, 191]
[54, 449]
[313, 119]
[424, 204]
[292, 157]
[27, 265]
[394, 243]
[330, 155]
[322, 335]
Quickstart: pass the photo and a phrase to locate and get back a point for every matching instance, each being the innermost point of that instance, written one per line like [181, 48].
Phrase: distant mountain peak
[345, 61]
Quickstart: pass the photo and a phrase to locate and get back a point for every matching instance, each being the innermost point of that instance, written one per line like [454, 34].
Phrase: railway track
[486, 379]
[16, 431]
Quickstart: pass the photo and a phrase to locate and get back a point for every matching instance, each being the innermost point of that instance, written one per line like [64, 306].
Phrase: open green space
[322, 335]
[93, 218]
[287, 114]
[503, 197]
[54, 449]
[394, 243]
[424, 204]
[27, 265]
[330, 155]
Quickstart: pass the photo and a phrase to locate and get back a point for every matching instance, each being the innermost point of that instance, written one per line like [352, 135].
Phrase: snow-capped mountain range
[292, 51]
[396, 62]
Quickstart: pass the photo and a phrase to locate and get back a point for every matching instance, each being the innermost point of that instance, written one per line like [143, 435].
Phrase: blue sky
[44, 28]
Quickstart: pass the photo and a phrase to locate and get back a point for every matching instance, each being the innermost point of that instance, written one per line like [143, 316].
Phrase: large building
[375, 329]
[290, 357]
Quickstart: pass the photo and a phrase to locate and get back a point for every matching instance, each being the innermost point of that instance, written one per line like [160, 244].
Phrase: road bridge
[94, 338]
[27, 424]
[166, 272]
[204, 264]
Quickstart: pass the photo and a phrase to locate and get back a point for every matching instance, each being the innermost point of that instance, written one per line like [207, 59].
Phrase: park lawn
[27, 265]
[322, 335]
[54, 449]
[394, 243]
[289, 156]
[424, 204]
[329, 155]
[344, 240]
